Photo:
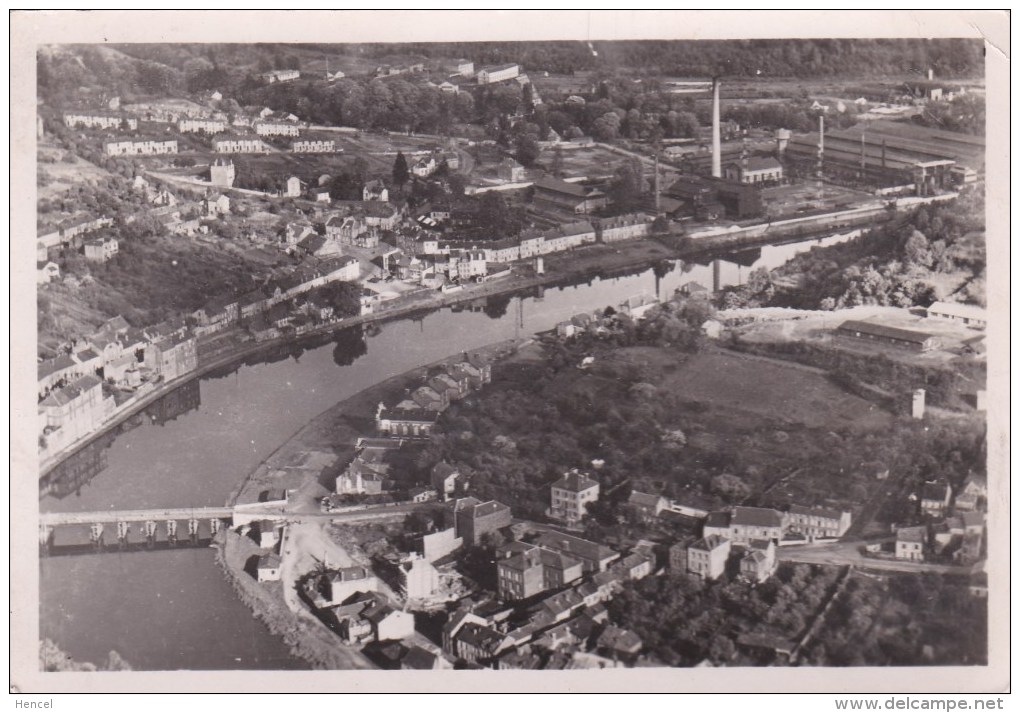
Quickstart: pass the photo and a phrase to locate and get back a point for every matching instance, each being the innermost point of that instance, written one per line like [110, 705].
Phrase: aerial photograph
[511, 355]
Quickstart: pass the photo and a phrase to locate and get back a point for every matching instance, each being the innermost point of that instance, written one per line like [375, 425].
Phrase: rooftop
[881, 330]
[575, 546]
[757, 517]
[575, 482]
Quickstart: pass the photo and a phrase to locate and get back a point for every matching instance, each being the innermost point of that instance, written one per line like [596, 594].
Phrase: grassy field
[594, 161]
[772, 390]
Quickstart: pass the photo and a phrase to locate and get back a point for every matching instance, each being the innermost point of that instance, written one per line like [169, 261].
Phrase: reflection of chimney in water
[716, 140]
[716, 281]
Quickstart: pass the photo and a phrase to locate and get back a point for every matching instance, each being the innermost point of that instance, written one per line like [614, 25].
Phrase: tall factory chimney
[821, 142]
[656, 182]
[716, 140]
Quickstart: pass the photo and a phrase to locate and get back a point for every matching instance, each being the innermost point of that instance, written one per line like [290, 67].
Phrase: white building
[314, 146]
[498, 73]
[971, 315]
[201, 126]
[238, 144]
[276, 128]
[99, 120]
[144, 147]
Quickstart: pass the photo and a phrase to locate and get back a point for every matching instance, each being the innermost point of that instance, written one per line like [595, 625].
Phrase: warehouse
[894, 336]
[886, 153]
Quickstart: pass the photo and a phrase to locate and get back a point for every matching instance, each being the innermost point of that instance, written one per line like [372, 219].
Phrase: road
[848, 553]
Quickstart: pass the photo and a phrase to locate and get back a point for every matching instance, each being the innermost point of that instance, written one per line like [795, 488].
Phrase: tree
[527, 150]
[606, 127]
[625, 188]
[916, 249]
[401, 174]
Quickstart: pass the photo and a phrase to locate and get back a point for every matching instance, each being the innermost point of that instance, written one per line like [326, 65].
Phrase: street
[847, 553]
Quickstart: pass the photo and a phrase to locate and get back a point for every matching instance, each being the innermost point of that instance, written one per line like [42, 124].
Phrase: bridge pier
[193, 530]
[150, 533]
[214, 525]
[45, 539]
[123, 530]
[96, 535]
[171, 532]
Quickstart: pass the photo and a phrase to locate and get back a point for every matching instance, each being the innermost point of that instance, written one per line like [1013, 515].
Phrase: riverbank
[302, 465]
[588, 261]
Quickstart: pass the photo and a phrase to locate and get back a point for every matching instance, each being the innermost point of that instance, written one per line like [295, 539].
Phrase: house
[74, 411]
[910, 543]
[970, 315]
[189, 125]
[570, 496]
[473, 519]
[216, 204]
[646, 506]
[973, 494]
[297, 231]
[935, 497]
[619, 643]
[759, 561]
[418, 659]
[94, 119]
[267, 535]
[417, 578]
[755, 170]
[375, 191]
[594, 557]
[424, 167]
[172, 356]
[123, 370]
[232, 144]
[449, 88]
[279, 75]
[463, 67]
[748, 524]
[510, 170]
[571, 197]
[268, 569]
[46, 271]
[707, 557]
[427, 398]
[405, 422]
[623, 227]
[477, 643]
[349, 581]
[636, 565]
[817, 523]
[523, 570]
[314, 146]
[862, 331]
[444, 479]
[276, 128]
[222, 173]
[497, 73]
[389, 624]
[140, 147]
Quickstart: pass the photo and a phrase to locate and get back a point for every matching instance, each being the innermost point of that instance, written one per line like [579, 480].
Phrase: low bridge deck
[48, 519]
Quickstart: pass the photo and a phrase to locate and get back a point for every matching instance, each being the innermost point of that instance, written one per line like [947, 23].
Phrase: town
[758, 460]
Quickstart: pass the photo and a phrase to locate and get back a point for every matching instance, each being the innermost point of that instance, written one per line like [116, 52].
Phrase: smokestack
[716, 141]
[656, 182]
[821, 143]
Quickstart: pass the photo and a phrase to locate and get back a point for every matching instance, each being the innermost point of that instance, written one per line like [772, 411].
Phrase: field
[778, 391]
[811, 195]
[591, 162]
[57, 175]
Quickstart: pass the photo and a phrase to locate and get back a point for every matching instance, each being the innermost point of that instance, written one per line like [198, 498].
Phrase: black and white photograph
[429, 348]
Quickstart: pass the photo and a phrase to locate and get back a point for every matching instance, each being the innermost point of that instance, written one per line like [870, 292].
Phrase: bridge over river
[165, 521]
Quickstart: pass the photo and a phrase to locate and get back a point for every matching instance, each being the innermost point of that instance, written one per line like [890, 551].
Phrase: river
[172, 609]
